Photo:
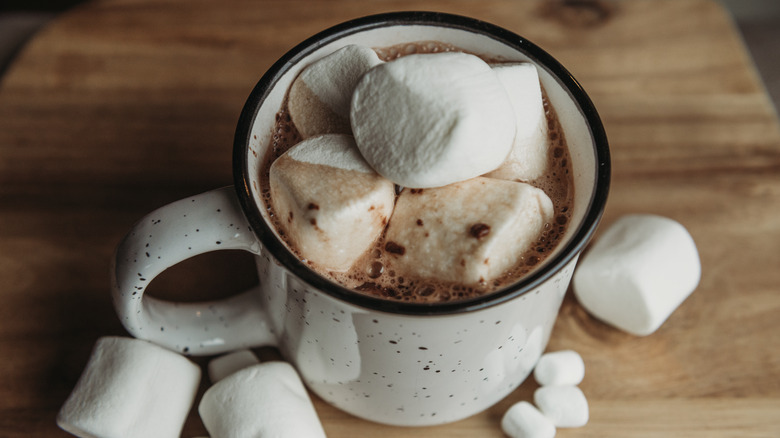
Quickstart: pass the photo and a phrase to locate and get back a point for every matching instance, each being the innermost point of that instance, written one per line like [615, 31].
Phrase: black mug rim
[242, 178]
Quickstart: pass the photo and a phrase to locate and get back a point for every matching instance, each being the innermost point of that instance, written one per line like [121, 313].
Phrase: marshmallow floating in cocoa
[265, 400]
[429, 120]
[329, 202]
[528, 158]
[133, 389]
[564, 367]
[565, 406]
[638, 272]
[469, 232]
[320, 96]
[523, 420]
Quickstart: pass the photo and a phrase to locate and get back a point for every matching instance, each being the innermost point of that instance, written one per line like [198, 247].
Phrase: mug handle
[207, 222]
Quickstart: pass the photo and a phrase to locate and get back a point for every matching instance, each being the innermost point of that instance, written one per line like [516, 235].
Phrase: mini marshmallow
[468, 232]
[262, 401]
[131, 388]
[329, 202]
[432, 119]
[638, 272]
[228, 364]
[565, 406]
[319, 98]
[560, 368]
[528, 158]
[523, 420]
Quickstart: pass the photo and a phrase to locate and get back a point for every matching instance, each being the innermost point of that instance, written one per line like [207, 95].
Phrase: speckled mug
[391, 362]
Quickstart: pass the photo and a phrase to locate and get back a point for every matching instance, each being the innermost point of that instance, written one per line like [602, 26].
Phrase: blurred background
[758, 22]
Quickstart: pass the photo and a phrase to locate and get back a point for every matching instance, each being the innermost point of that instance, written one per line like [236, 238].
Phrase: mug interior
[581, 125]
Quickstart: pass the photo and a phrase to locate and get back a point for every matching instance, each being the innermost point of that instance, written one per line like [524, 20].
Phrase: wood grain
[118, 107]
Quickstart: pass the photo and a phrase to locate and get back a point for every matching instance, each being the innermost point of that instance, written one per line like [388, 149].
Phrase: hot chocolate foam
[375, 274]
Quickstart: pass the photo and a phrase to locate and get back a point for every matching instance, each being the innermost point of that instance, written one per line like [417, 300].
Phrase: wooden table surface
[119, 107]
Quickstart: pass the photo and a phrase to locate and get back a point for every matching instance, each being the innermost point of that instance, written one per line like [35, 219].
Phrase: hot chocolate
[377, 271]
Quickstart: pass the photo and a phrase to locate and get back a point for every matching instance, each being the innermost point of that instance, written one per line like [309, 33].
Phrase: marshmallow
[262, 401]
[565, 406]
[523, 420]
[433, 119]
[468, 232]
[319, 96]
[330, 203]
[528, 158]
[131, 388]
[228, 364]
[560, 368]
[638, 272]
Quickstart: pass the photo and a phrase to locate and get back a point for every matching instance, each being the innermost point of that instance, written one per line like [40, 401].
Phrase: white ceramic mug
[392, 362]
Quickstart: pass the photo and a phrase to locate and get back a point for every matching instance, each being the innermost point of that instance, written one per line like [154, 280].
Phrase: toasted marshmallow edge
[564, 367]
[228, 364]
[436, 227]
[265, 400]
[131, 388]
[319, 97]
[565, 406]
[524, 420]
[330, 204]
[528, 158]
[429, 120]
[638, 272]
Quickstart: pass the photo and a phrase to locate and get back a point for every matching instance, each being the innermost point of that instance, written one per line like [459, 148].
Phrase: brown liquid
[374, 274]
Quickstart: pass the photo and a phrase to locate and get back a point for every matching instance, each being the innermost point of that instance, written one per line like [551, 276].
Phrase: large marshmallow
[638, 272]
[329, 202]
[528, 158]
[262, 401]
[319, 97]
[523, 420]
[131, 388]
[468, 232]
[564, 367]
[565, 406]
[432, 119]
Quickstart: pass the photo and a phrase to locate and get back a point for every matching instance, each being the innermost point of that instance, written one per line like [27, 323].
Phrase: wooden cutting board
[119, 107]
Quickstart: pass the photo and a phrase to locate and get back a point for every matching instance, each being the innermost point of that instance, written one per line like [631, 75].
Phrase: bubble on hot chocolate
[331, 205]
